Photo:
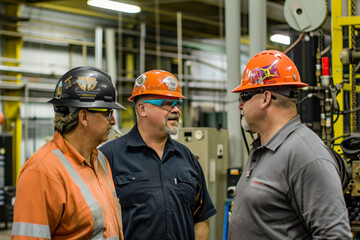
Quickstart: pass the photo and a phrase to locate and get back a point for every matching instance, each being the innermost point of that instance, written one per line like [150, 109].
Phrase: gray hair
[66, 123]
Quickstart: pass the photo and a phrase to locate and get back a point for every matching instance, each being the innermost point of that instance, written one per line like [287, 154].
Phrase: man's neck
[153, 139]
[78, 141]
[273, 126]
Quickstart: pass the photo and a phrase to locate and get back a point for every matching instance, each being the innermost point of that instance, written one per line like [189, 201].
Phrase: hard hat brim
[297, 85]
[163, 93]
[80, 104]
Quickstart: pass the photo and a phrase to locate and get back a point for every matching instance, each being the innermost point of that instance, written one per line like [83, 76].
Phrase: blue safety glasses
[166, 103]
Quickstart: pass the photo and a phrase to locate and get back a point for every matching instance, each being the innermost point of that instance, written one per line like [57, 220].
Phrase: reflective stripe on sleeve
[103, 164]
[30, 230]
[89, 198]
[112, 238]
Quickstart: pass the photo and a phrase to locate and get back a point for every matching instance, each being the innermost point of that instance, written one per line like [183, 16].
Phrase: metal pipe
[46, 38]
[257, 26]
[179, 45]
[157, 31]
[142, 47]
[98, 47]
[232, 31]
[84, 55]
[110, 54]
[26, 122]
[111, 64]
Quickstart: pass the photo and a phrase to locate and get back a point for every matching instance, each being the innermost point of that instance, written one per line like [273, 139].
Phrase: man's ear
[267, 98]
[141, 109]
[83, 117]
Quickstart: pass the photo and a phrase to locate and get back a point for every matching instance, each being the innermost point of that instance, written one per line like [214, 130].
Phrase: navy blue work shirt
[160, 198]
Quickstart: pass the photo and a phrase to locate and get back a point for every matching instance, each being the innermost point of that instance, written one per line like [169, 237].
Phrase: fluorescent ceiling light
[116, 6]
[279, 38]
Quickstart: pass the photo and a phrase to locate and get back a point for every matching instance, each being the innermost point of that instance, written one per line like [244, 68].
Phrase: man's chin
[171, 130]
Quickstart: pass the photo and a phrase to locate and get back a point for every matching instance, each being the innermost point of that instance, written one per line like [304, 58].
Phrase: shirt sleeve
[206, 209]
[318, 198]
[35, 215]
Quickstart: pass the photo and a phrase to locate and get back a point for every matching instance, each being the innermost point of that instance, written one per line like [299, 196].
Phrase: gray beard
[171, 131]
[245, 125]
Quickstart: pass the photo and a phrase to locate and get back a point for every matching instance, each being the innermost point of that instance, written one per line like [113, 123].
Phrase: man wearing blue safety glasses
[159, 182]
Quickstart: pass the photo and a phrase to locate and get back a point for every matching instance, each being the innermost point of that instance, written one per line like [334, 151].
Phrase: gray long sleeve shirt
[290, 189]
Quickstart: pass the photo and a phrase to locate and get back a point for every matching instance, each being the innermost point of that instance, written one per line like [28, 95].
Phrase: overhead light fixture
[116, 6]
[279, 38]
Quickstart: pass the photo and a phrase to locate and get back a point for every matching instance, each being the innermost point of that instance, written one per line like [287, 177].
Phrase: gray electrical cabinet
[210, 146]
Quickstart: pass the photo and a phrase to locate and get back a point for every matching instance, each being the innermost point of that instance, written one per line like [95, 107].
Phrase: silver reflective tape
[31, 230]
[103, 164]
[85, 191]
[112, 238]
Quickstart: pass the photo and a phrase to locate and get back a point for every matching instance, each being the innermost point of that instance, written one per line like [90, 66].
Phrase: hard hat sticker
[171, 83]
[87, 84]
[264, 74]
[59, 89]
[140, 80]
[68, 83]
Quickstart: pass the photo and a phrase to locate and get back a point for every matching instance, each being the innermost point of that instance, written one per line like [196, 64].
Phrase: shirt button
[165, 184]
[169, 210]
[133, 178]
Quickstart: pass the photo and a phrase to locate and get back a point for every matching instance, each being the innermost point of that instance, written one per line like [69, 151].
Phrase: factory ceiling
[200, 18]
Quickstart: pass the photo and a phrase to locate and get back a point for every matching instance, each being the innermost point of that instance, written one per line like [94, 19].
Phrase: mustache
[173, 116]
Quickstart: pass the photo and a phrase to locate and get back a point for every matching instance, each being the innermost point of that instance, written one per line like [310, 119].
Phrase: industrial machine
[210, 147]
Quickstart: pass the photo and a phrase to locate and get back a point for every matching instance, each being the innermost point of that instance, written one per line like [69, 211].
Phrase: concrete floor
[5, 234]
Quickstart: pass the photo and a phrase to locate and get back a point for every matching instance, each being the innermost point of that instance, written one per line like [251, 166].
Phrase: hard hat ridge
[156, 82]
[85, 87]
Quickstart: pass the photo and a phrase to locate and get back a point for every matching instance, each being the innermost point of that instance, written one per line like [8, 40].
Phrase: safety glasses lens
[165, 102]
[246, 96]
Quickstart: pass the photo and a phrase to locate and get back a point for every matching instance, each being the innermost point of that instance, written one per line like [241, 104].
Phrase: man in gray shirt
[290, 187]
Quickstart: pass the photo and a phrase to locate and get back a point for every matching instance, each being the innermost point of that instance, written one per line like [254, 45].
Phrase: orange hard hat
[156, 82]
[270, 68]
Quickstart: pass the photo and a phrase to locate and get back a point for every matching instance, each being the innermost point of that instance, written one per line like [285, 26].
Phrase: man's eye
[166, 103]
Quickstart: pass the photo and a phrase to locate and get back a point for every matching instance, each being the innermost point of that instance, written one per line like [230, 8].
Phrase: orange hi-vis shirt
[61, 196]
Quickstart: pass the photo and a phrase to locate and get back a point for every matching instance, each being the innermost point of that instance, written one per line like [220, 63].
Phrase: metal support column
[232, 34]
[142, 47]
[98, 47]
[186, 109]
[337, 67]
[111, 64]
[257, 26]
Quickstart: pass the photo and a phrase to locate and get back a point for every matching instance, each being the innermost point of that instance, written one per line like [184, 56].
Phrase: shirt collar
[134, 139]
[279, 137]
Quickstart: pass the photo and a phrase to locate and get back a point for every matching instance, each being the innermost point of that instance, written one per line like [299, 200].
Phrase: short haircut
[284, 101]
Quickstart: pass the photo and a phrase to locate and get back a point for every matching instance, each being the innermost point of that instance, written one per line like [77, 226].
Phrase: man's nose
[241, 105]
[112, 120]
[176, 108]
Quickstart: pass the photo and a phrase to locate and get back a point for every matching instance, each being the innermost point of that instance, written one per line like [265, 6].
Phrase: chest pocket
[187, 186]
[132, 188]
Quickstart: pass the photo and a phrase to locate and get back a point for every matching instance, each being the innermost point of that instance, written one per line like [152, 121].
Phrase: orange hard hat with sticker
[156, 82]
[270, 68]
